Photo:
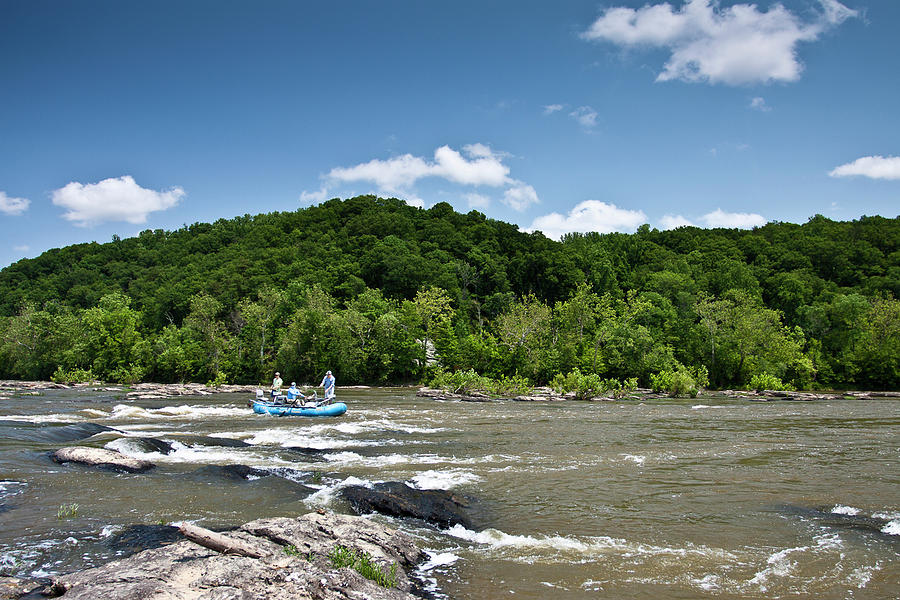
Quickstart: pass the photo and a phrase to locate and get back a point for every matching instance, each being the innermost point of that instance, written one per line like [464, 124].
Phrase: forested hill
[232, 293]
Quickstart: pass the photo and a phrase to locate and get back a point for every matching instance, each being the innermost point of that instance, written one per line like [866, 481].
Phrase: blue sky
[117, 117]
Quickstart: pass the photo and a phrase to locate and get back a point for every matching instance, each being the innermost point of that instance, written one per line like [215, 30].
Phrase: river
[670, 499]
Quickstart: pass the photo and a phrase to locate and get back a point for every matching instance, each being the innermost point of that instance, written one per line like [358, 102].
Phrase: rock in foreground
[293, 565]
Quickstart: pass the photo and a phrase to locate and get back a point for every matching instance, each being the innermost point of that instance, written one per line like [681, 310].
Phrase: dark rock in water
[101, 457]
[397, 499]
[839, 520]
[137, 538]
[306, 453]
[154, 445]
[69, 433]
[294, 565]
[235, 472]
[203, 440]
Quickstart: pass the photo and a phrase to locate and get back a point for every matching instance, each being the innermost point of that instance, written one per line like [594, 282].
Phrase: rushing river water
[665, 499]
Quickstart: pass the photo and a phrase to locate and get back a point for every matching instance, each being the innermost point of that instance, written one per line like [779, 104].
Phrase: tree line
[381, 292]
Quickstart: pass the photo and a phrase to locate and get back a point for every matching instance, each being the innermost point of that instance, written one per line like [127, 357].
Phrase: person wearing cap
[328, 384]
[276, 385]
[292, 392]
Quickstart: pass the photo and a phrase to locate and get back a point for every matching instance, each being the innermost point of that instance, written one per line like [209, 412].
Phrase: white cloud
[590, 215]
[477, 165]
[674, 222]
[585, 115]
[733, 45]
[23, 248]
[13, 206]
[759, 103]
[552, 108]
[314, 197]
[520, 196]
[720, 218]
[482, 167]
[477, 200]
[118, 199]
[875, 167]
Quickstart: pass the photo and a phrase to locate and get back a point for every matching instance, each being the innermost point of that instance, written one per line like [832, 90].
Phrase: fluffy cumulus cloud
[520, 196]
[480, 166]
[119, 199]
[590, 215]
[476, 165]
[13, 206]
[477, 200]
[674, 222]
[552, 108]
[875, 167]
[732, 45]
[720, 218]
[318, 197]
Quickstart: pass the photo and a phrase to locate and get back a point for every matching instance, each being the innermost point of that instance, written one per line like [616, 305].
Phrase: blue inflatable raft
[287, 410]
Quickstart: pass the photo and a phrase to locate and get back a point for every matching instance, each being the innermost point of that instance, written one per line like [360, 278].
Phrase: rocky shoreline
[287, 558]
[546, 394]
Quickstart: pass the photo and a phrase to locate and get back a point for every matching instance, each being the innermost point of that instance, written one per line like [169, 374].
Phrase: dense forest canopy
[368, 286]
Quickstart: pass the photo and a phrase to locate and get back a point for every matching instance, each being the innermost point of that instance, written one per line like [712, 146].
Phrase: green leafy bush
[765, 381]
[680, 382]
[220, 379]
[591, 385]
[363, 563]
[130, 374]
[72, 376]
[465, 382]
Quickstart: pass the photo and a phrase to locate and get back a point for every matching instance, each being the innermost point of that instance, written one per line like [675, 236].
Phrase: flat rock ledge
[101, 457]
[291, 563]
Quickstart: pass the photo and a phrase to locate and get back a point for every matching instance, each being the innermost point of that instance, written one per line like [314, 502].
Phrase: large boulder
[439, 507]
[101, 457]
[292, 564]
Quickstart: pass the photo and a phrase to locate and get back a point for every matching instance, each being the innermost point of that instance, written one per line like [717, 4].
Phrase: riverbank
[150, 391]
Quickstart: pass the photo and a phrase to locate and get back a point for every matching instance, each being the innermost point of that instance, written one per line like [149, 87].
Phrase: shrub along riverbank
[381, 292]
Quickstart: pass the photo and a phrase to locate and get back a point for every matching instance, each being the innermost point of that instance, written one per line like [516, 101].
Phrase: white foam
[325, 495]
[352, 458]
[199, 454]
[840, 509]
[184, 411]
[587, 547]
[638, 459]
[443, 480]
[892, 528]
[306, 437]
[438, 559]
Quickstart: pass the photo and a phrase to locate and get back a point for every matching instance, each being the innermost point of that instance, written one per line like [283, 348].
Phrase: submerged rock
[294, 565]
[204, 440]
[101, 457]
[438, 507]
[153, 445]
[70, 433]
[236, 472]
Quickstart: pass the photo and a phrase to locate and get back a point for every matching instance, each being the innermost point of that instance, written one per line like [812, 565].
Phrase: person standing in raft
[276, 385]
[328, 384]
